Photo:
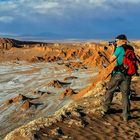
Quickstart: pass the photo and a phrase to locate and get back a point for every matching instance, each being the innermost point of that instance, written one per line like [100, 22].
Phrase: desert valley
[54, 91]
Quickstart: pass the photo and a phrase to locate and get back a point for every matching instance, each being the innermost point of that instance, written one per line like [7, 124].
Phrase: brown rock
[17, 98]
[70, 78]
[25, 105]
[68, 92]
[58, 84]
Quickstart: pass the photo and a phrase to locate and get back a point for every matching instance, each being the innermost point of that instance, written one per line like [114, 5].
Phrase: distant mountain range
[46, 36]
[51, 36]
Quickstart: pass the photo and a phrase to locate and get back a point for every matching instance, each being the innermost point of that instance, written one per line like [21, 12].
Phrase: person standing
[119, 80]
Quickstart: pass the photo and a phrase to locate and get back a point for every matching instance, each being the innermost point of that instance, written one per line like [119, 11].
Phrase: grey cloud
[67, 9]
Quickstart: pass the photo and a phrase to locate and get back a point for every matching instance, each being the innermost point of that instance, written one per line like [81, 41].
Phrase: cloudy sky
[82, 19]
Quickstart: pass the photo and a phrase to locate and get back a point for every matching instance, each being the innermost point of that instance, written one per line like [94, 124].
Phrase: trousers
[123, 83]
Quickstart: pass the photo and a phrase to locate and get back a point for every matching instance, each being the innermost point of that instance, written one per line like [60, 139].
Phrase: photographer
[118, 79]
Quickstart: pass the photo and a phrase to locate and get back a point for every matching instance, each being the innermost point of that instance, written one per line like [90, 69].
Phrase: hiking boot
[126, 118]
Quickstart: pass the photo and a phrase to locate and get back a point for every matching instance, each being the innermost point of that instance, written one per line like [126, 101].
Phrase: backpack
[129, 60]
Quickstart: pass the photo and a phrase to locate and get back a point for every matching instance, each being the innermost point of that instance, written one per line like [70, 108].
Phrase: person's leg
[107, 101]
[125, 89]
[111, 87]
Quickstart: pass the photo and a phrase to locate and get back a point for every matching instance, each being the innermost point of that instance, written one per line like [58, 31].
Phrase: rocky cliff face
[91, 54]
[6, 43]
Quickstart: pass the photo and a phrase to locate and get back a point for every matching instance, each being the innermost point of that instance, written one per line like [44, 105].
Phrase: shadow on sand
[114, 111]
[135, 98]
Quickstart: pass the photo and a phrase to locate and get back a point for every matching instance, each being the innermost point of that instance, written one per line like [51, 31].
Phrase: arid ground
[51, 91]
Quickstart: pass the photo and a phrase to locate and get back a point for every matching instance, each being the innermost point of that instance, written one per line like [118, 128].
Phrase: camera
[112, 43]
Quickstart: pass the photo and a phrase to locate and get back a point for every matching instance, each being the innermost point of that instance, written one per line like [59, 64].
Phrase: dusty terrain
[70, 78]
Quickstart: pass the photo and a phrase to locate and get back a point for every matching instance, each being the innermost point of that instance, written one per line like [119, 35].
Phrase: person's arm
[117, 52]
[112, 58]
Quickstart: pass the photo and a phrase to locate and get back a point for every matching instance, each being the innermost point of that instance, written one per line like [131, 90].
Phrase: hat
[121, 37]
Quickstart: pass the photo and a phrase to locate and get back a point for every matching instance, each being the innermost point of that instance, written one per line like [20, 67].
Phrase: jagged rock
[75, 65]
[64, 115]
[37, 59]
[15, 99]
[57, 131]
[23, 98]
[70, 78]
[79, 123]
[27, 104]
[6, 43]
[58, 84]
[61, 118]
[68, 92]
[78, 113]
[19, 98]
